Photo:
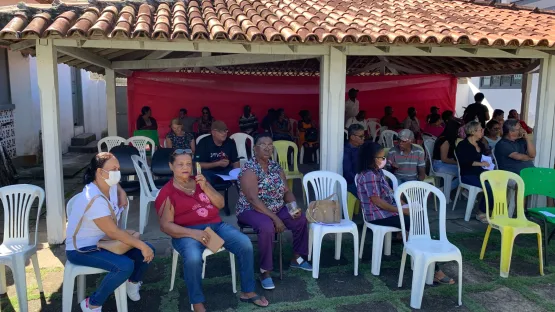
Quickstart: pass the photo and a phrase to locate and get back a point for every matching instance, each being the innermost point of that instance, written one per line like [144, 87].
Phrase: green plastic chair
[151, 134]
[541, 181]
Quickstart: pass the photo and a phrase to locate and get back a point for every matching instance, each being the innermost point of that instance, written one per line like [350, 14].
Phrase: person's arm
[215, 197]
[122, 197]
[193, 145]
[530, 147]
[169, 143]
[444, 151]
[154, 123]
[348, 170]
[488, 117]
[421, 166]
[108, 226]
[140, 123]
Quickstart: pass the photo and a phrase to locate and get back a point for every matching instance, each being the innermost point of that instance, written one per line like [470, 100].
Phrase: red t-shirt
[189, 210]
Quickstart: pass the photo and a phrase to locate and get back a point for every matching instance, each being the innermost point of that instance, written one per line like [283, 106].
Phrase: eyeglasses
[181, 151]
[382, 158]
[266, 146]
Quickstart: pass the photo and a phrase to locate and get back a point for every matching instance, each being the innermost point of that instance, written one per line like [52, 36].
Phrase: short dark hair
[509, 125]
[145, 110]
[492, 123]
[512, 113]
[98, 161]
[479, 97]
[183, 111]
[367, 156]
[434, 118]
[498, 112]
[354, 128]
[261, 136]
[446, 115]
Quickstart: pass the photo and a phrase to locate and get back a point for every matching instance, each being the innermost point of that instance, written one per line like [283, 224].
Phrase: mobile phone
[199, 169]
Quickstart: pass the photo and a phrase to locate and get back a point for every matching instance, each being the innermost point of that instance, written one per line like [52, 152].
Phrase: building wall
[94, 104]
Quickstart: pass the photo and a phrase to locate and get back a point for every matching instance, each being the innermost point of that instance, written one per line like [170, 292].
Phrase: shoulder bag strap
[78, 227]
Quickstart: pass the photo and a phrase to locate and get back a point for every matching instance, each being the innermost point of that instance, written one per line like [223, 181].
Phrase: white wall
[94, 104]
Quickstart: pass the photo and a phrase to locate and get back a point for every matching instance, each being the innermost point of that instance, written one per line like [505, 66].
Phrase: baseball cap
[406, 135]
[219, 125]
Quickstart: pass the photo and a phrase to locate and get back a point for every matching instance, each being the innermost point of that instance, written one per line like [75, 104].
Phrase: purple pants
[266, 232]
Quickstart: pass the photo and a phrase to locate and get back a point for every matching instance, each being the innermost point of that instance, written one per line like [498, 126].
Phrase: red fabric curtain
[226, 95]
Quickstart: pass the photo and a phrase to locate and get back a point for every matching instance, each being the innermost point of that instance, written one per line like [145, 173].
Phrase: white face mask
[382, 163]
[113, 177]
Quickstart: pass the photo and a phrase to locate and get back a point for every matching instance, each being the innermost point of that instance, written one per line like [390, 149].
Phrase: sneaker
[85, 306]
[303, 265]
[267, 283]
[133, 290]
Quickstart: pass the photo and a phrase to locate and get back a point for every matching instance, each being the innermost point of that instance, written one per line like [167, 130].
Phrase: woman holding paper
[470, 154]
[188, 208]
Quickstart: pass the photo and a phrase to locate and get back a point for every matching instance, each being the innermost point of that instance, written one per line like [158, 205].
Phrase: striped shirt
[373, 183]
[408, 163]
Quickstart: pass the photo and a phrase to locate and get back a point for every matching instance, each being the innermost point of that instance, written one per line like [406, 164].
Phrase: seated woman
[186, 206]
[261, 204]
[178, 139]
[443, 156]
[281, 128]
[146, 121]
[94, 216]
[492, 134]
[376, 196]
[469, 153]
[205, 122]
[308, 136]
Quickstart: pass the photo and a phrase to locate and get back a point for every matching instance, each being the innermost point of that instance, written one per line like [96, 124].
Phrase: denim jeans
[440, 166]
[191, 250]
[129, 266]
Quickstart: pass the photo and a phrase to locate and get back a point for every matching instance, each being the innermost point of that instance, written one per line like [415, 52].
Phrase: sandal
[253, 301]
[482, 218]
[445, 280]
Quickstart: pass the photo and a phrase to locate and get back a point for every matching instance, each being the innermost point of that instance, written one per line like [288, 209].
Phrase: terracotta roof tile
[355, 21]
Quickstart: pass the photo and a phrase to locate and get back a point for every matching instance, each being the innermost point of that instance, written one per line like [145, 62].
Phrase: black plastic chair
[248, 230]
[123, 154]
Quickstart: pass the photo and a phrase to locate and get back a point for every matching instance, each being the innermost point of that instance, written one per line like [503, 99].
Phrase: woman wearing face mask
[376, 196]
[104, 199]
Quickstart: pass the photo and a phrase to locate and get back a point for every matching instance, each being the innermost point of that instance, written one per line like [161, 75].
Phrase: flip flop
[253, 301]
[446, 280]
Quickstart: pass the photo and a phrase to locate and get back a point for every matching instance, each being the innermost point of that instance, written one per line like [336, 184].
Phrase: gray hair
[355, 128]
[471, 127]
[509, 125]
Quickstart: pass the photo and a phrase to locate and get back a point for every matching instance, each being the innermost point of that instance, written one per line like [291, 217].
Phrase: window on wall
[501, 82]
[5, 93]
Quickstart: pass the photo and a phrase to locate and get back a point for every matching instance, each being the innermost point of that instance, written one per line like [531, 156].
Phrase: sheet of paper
[490, 161]
[547, 214]
[232, 176]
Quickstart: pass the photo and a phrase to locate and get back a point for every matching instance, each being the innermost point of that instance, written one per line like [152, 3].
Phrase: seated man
[515, 151]
[405, 161]
[350, 156]
[217, 154]
[388, 120]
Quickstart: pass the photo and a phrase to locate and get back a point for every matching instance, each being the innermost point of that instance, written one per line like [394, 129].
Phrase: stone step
[91, 147]
[83, 139]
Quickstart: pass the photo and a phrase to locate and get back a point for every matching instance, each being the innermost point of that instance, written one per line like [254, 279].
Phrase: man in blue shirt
[350, 156]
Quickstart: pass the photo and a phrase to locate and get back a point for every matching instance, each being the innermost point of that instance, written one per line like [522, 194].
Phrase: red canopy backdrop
[226, 95]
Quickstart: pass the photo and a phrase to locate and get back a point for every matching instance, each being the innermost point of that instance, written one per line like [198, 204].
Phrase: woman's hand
[148, 253]
[278, 224]
[297, 214]
[484, 164]
[201, 236]
[201, 181]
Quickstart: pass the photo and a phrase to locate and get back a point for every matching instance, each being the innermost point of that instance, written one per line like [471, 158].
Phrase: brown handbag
[324, 211]
[112, 245]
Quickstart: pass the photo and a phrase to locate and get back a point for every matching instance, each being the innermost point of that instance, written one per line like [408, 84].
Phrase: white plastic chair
[424, 250]
[473, 192]
[207, 252]
[447, 178]
[324, 184]
[16, 248]
[71, 271]
[111, 142]
[381, 235]
[386, 138]
[140, 143]
[373, 127]
[240, 140]
[149, 191]
[202, 136]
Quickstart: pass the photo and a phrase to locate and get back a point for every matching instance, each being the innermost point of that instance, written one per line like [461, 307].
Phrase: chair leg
[418, 282]
[233, 276]
[540, 249]
[470, 204]
[546, 234]
[142, 214]
[338, 241]
[81, 282]
[430, 273]
[18, 269]
[485, 243]
[35, 261]
[121, 298]
[402, 269]
[387, 244]
[175, 256]
[317, 245]
[364, 228]
[377, 249]
[280, 256]
[310, 239]
[3, 287]
[447, 189]
[456, 197]
[67, 291]
[507, 240]
[460, 281]
[355, 243]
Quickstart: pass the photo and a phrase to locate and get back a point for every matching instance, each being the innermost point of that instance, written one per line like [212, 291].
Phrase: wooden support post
[333, 69]
[545, 115]
[111, 114]
[525, 103]
[47, 72]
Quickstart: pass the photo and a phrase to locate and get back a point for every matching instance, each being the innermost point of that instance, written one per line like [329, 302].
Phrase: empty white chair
[381, 235]
[473, 192]
[149, 191]
[373, 128]
[447, 178]
[207, 252]
[16, 248]
[386, 138]
[202, 136]
[71, 271]
[325, 184]
[424, 250]
[111, 142]
[140, 143]
[240, 140]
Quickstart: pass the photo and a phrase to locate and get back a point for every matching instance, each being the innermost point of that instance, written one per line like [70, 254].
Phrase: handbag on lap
[324, 211]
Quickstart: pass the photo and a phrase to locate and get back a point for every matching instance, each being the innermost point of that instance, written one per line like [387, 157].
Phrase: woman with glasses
[492, 133]
[186, 206]
[205, 122]
[376, 196]
[94, 216]
[262, 204]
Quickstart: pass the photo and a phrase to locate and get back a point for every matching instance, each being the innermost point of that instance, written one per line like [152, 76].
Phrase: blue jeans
[440, 166]
[475, 181]
[191, 250]
[129, 266]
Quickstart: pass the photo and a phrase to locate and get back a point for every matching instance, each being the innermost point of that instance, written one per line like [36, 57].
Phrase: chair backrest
[499, 181]
[240, 140]
[123, 154]
[539, 181]
[428, 137]
[373, 127]
[122, 220]
[325, 184]
[140, 143]
[392, 178]
[495, 159]
[111, 141]
[429, 147]
[386, 138]
[152, 134]
[457, 160]
[144, 174]
[281, 150]
[202, 136]
[17, 201]
[416, 194]
[160, 162]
